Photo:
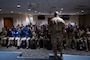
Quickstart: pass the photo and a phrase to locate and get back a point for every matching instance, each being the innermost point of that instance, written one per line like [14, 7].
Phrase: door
[8, 22]
[49, 20]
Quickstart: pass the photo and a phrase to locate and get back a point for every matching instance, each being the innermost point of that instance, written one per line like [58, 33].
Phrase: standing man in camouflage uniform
[57, 26]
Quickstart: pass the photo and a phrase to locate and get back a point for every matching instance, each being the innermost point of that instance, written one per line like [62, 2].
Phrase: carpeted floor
[41, 53]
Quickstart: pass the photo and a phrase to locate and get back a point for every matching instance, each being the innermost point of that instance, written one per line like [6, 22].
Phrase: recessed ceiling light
[0, 9]
[18, 6]
[74, 13]
[11, 11]
[29, 9]
[35, 11]
[77, 12]
[39, 12]
[61, 8]
[82, 10]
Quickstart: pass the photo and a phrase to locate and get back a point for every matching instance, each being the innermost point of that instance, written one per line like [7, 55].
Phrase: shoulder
[58, 19]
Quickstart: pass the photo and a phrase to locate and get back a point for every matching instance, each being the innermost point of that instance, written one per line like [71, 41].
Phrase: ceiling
[65, 7]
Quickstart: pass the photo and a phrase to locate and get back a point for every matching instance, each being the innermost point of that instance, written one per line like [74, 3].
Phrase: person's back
[56, 27]
[57, 23]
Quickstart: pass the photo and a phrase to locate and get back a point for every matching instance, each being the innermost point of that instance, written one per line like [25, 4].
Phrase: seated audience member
[22, 25]
[33, 43]
[24, 37]
[18, 37]
[34, 39]
[88, 43]
[48, 44]
[80, 33]
[80, 45]
[64, 43]
[10, 37]
[84, 44]
[4, 36]
[26, 28]
[72, 43]
[28, 37]
[69, 34]
[76, 33]
[41, 39]
[88, 32]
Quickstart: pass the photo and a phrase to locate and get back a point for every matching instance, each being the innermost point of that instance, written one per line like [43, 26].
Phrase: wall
[87, 20]
[40, 22]
[1, 24]
[84, 20]
[17, 19]
[73, 19]
[25, 19]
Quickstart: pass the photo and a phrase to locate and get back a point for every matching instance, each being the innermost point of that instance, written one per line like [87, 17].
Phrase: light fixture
[82, 11]
[18, 6]
[35, 11]
[61, 8]
[11, 11]
[39, 12]
[29, 9]
[74, 13]
[77, 12]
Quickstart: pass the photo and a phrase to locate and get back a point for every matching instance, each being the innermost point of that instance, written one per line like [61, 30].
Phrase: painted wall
[84, 20]
[1, 24]
[25, 19]
[17, 19]
[73, 19]
[87, 20]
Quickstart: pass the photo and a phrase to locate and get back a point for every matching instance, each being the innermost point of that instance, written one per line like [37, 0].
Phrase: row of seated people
[27, 34]
[82, 44]
[32, 43]
[79, 44]
[21, 35]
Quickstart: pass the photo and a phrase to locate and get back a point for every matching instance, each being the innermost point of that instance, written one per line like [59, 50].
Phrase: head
[56, 13]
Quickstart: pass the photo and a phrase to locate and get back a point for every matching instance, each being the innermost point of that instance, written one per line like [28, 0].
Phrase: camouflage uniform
[56, 27]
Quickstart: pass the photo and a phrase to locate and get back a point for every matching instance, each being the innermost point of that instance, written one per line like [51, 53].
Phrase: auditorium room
[44, 29]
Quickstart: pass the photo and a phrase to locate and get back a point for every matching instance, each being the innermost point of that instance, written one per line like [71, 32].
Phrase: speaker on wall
[41, 17]
[65, 17]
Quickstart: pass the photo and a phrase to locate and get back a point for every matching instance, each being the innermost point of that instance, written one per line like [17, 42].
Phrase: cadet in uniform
[56, 27]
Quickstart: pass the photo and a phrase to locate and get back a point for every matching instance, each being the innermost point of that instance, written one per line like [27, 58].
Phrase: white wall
[17, 19]
[73, 19]
[1, 24]
[25, 19]
[35, 18]
[21, 19]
